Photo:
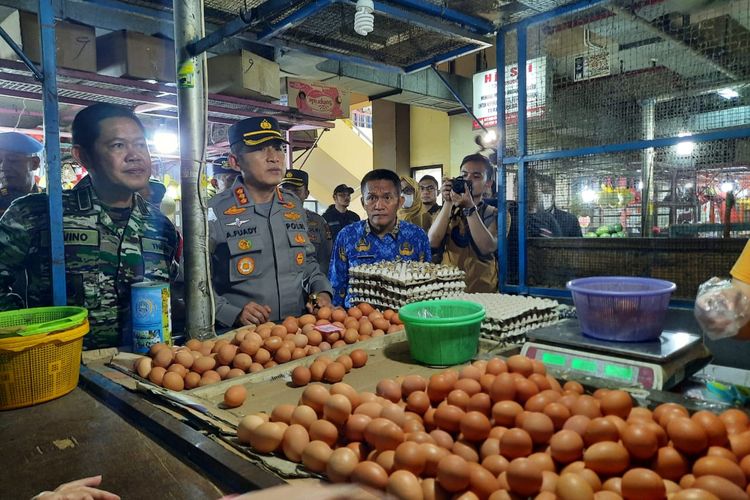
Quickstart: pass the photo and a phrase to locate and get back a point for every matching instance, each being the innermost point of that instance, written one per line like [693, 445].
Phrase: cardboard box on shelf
[10, 21]
[75, 43]
[317, 99]
[135, 55]
[244, 74]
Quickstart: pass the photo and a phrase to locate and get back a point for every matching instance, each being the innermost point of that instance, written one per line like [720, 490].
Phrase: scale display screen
[593, 365]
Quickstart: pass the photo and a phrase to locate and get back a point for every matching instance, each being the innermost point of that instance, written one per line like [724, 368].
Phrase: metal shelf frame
[522, 159]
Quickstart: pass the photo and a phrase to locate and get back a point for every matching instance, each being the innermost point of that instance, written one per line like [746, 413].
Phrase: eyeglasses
[427, 188]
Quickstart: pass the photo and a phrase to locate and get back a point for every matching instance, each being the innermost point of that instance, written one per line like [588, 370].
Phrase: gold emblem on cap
[265, 124]
[288, 174]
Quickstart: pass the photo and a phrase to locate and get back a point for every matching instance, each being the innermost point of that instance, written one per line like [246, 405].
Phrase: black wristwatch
[468, 211]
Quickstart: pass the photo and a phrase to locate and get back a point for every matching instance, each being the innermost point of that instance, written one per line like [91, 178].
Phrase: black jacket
[336, 220]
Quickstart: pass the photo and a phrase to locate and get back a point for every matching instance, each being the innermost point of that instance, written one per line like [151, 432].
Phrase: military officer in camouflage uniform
[262, 262]
[113, 238]
[318, 230]
[18, 161]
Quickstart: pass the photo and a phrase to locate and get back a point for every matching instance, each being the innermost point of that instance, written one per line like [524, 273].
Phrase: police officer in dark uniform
[222, 175]
[263, 263]
[296, 181]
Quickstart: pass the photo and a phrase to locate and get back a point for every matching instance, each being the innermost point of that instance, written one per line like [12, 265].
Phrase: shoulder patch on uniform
[289, 204]
[300, 258]
[211, 215]
[155, 246]
[246, 266]
[291, 215]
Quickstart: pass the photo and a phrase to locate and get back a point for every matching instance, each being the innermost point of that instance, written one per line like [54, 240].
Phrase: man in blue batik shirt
[379, 237]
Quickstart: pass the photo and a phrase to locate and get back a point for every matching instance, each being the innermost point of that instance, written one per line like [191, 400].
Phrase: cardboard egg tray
[509, 317]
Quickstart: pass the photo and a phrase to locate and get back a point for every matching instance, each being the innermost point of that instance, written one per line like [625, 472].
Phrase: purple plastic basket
[621, 308]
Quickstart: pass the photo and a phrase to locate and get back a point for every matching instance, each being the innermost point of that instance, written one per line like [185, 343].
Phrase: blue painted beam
[52, 150]
[522, 98]
[501, 170]
[475, 24]
[439, 58]
[294, 19]
[735, 133]
[552, 14]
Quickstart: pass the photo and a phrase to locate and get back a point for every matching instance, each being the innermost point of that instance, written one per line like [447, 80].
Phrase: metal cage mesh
[609, 75]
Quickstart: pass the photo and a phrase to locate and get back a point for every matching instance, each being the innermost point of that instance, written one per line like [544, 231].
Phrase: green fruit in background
[591, 234]
[617, 228]
[622, 234]
[605, 235]
[602, 230]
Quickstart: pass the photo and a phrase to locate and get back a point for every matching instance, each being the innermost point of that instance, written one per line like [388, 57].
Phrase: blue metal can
[151, 315]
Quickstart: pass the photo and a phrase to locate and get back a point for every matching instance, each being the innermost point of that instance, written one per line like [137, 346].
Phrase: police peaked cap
[295, 177]
[15, 142]
[221, 166]
[256, 131]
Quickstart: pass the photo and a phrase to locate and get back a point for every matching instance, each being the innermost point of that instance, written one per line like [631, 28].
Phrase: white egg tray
[405, 273]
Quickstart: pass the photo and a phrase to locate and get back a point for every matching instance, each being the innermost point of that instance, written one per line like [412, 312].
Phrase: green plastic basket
[442, 332]
[41, 320]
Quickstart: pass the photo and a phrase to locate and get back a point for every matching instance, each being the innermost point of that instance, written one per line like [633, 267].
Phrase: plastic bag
[721, 308]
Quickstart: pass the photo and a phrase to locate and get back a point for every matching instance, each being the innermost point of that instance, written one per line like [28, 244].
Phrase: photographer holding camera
[464, 232]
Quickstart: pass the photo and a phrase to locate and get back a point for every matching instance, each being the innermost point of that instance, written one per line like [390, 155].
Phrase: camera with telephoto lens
[460, 186]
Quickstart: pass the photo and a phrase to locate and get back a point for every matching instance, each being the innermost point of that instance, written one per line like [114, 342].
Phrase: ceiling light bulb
[489, 138]
[588, 195]
[727, 186]
[728, 93]
[165, 142]
[364, 20]
[685, 148]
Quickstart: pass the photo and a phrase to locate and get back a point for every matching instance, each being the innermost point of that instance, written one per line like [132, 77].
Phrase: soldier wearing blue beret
[263, 264]
[222, 175]
[113, 237]
[19, 158]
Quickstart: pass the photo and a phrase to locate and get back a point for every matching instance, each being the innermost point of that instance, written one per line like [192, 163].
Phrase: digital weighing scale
[658, 365]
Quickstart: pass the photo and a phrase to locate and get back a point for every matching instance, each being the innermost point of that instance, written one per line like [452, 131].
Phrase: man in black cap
[18, 161]
[262, 262]
[338, 215]
[319, 232]
[222, 175]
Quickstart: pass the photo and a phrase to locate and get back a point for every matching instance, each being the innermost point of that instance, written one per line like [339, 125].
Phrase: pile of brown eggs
[497, 430]
[255, 348]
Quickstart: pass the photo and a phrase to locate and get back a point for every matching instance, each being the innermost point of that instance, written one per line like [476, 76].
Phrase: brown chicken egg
[720, 466]
[403, 484]
[642, 484]
[323, 430]
[315, 456]
[173, 381]
[606, 458]
[301, 375]
[453, 473]
[516, 443]
[409, 456]
[370, 474]
[267, 437]
[566, 446]
[524, 477]
[670, 464]
[303, 415]
[687, 435]
[294, 442]
[235, 396]
[721, 487]
[337, 409]
[572, 486]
